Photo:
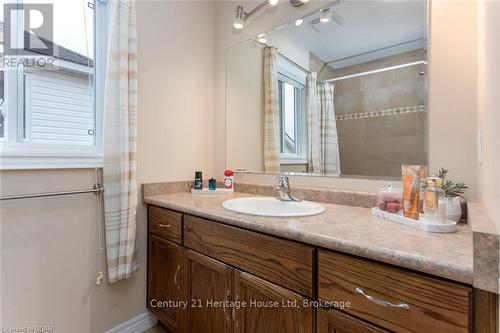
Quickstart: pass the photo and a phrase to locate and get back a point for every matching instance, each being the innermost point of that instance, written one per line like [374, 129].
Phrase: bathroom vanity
[344, 271]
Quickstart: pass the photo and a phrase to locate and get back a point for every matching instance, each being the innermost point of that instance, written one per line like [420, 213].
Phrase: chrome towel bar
[97, 189]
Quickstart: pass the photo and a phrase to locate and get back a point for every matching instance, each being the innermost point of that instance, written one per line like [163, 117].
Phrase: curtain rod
[288, 59]
[294, 63]
[377, 50]
[376, 71]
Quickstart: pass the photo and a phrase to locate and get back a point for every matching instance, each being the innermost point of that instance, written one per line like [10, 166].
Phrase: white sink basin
[266, 206]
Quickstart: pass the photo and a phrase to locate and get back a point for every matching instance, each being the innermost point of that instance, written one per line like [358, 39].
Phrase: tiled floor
[155, 329]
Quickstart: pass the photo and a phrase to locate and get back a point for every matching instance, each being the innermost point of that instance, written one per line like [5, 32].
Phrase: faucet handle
[283, 180]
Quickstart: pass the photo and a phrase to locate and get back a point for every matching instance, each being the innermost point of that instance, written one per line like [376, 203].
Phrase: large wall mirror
[340, 92]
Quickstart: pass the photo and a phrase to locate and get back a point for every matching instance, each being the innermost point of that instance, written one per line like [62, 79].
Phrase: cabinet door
[333, 321]
[164, 277]
[207, 281]
[268, 308]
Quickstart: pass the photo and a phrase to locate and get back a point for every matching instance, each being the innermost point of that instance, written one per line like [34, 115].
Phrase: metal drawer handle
[163, 225]
[382, 302]
[175, 277]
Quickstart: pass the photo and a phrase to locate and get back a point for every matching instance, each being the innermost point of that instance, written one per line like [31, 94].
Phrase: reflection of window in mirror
[292, 119]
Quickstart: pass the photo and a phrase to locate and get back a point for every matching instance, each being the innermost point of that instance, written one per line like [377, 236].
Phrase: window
[51, 113]
[292, 120]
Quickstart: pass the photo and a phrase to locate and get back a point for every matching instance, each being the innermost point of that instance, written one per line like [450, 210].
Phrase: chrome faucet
[283, 189]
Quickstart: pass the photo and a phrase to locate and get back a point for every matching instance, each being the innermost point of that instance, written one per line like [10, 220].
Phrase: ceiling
[360, 31]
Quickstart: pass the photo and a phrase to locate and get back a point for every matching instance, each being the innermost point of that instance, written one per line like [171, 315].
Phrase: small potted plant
[453, 193]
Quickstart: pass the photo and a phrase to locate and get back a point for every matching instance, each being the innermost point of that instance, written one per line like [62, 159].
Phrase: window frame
[300, 157]
[16, 154]
[3, 105]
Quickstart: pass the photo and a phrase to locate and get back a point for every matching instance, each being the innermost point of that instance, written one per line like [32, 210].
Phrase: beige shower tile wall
[378, 146]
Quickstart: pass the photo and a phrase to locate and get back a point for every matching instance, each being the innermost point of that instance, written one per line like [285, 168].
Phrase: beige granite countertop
[346, 229]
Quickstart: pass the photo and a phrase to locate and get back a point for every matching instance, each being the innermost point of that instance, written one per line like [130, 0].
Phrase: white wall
[489, 106]
[453, 91]
[245, 99]
[48, 246]
[48, 251]
[175, 89]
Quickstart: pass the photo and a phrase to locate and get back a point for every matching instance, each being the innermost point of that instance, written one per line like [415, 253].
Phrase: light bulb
[324, 15]
[273, 2]
[238, 19]
[262, 38]
[304, 1]
[299, 22]
[237, 24]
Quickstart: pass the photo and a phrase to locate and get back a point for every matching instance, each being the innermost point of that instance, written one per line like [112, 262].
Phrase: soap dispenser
[434, 200]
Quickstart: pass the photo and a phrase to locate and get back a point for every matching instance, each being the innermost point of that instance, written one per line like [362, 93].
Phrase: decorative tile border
[382, 113]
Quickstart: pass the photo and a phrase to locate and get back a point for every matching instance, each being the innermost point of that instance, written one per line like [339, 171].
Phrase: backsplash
[340, 197]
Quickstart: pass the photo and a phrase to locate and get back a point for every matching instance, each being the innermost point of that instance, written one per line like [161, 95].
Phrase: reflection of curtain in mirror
[323, 155]
[330, 162]
[271, 112]
[313, 124]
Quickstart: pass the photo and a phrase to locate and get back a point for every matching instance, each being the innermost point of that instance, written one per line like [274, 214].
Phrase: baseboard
[135, 325]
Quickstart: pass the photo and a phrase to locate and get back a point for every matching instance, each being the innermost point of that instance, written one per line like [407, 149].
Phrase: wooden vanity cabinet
[164, 277]
[333, 321]
[165, 223]
[282, 262]
[269, 307]
[205, 263]
[206, 280]
[255, 304]
[394, 298]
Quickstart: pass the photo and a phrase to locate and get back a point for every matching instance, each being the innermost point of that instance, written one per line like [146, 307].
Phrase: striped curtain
[271, 112]
[313, 124]
[323, 157]
[330, 161]
[120, 136]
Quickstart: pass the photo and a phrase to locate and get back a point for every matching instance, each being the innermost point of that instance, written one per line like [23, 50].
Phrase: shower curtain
[119, 144]
[313, 124]
[323, 145]
[328, 131]
[271, 112]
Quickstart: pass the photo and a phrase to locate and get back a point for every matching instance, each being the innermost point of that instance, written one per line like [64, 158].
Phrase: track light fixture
[262, 38]
[324, 15]
[241, 15]
[298, 3]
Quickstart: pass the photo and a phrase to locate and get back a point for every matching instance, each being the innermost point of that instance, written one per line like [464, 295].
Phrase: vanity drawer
[165, 223]
[426, 304]
[283, 262]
